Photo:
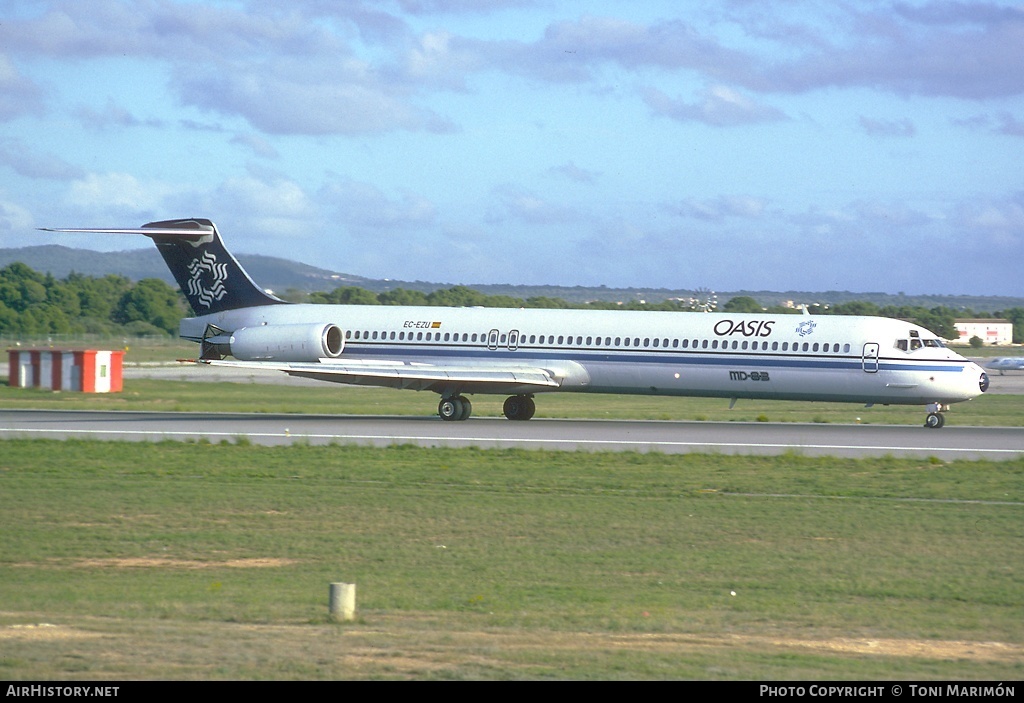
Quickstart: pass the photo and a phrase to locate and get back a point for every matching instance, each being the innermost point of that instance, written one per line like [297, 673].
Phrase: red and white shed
[86, 370]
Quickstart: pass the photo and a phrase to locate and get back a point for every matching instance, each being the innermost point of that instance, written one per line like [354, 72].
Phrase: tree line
[36, 304]
[937, 319]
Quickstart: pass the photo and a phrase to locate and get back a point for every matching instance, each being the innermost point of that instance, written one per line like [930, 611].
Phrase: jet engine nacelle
[284, 342]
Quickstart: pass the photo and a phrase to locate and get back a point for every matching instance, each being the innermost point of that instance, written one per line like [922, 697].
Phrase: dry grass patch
[158, 562]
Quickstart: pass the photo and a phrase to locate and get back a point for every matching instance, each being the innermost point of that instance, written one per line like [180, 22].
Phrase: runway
[948, 443]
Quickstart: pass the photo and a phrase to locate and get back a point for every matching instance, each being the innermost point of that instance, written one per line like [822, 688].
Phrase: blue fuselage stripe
[525, 354]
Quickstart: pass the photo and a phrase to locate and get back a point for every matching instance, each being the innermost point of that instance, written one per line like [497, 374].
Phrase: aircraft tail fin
[209, 276]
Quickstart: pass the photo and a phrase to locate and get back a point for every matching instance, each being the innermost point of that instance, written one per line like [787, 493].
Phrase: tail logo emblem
[216, 275]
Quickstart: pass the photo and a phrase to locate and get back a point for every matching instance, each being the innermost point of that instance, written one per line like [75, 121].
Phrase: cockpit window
[915, 343]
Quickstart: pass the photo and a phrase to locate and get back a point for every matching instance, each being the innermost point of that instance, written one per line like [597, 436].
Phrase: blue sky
[863, 146]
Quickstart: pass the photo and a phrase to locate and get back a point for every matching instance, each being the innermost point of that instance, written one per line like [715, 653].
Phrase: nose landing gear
[935, 418]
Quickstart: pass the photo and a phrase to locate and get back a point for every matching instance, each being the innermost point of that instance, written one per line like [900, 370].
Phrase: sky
[734, 145]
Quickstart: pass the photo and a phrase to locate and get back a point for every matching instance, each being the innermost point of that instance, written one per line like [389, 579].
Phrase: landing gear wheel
[454, 408]
[934, 420]
[519, 407]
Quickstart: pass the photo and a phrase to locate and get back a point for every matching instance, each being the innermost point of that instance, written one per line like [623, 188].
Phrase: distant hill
[280, 275]
[276, 274]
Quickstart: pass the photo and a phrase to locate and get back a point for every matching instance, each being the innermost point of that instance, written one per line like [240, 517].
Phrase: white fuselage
[828, 358]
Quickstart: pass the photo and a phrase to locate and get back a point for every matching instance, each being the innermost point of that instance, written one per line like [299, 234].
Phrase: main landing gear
[457, 407]
[935, 418]
[519, 407]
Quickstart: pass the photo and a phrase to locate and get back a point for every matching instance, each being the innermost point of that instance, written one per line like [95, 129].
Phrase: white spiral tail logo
[218, 273]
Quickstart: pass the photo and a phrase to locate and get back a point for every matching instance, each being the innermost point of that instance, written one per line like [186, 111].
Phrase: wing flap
[405, 375]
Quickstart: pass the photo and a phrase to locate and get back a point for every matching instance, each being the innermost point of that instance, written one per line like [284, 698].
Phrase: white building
[989, 330]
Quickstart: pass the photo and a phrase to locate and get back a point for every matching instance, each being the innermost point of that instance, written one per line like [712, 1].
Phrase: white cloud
[516, 203]
[887, 128]
[35, 164]
[18, 95]
[118, 191]
[260, 146]
[718, 106]
[574, 173]
[366, 208]
[717, 209]
[15, 218]
[292, 99]
[279, 197]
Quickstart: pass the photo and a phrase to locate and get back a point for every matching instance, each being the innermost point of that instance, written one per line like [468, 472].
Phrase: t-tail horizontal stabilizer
[209, 276]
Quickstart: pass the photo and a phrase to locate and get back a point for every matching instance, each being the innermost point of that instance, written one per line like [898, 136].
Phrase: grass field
[203, 561]
[177, 560]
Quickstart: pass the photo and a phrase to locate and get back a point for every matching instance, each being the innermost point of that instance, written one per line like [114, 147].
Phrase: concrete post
[343, 601]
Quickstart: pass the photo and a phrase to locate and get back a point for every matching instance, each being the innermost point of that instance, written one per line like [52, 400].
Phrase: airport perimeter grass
[174, 395]
[178, 560]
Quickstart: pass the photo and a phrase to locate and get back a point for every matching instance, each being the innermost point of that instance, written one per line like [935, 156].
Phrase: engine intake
[283, 342]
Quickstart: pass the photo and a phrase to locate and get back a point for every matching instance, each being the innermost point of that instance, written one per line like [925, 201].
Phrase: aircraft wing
[496, 377]
[1007, 363]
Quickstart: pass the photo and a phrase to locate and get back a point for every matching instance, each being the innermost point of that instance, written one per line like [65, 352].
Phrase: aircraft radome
[457, 352]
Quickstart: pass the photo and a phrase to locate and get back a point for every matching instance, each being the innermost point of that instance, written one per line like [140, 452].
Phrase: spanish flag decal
[435, 325]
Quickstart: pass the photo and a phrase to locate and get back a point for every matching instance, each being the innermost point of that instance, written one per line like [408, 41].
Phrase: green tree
[98, 297]
[403, 296]
[1016, 316]
[8, 319]
[457, 297]
[742, 303]
[346, 295]
[153, 301]
[855, 307]
[543, 301]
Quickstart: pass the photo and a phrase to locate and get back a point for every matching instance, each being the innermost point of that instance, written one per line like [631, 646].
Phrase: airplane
[1006, 363]
[521, 353]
